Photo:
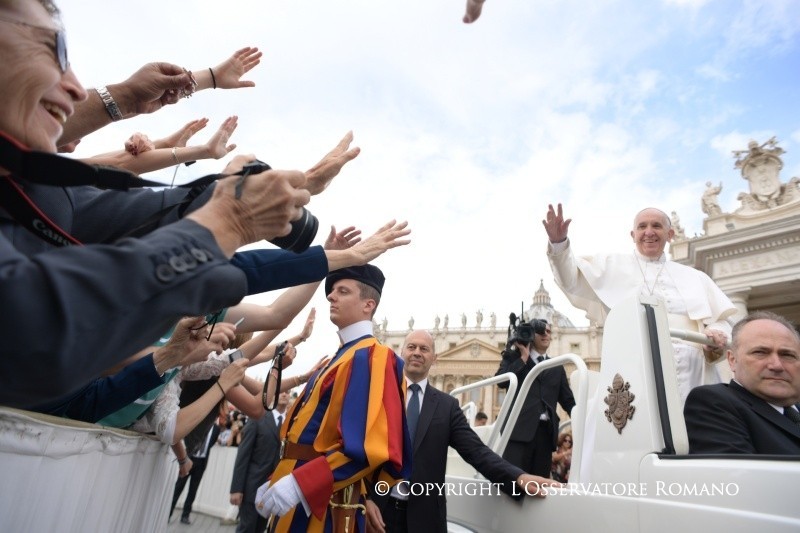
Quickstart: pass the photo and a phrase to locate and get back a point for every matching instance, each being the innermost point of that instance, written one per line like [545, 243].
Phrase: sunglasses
[210, 321]
[59, 46]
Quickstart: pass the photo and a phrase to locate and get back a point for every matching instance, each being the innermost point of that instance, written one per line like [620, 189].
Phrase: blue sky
[470, 131]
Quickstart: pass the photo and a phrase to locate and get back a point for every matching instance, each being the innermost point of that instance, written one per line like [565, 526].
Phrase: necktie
[280, 421]
[792, 414]
[412, 411]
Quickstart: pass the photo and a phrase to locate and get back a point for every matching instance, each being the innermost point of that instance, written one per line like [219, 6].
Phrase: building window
[575, 347]
[452, 345]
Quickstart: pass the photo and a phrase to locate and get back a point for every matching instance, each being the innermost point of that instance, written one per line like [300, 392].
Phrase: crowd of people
[139, 292]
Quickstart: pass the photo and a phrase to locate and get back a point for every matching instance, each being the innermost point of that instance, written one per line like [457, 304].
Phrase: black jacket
[726, 418]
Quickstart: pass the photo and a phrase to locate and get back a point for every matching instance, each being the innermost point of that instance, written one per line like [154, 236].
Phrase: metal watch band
[111, 105]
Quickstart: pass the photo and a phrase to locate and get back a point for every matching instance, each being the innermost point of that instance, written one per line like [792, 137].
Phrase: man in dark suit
[255, 461]
[757, 411]
[533, 438]
[440, 423]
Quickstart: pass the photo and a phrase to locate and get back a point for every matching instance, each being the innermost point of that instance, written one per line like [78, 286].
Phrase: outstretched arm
[320, 175]
[146, 90]
[282, 311]
[180, 137]
[156, 159]
[154, 86]
[228, 74]
[388, 236]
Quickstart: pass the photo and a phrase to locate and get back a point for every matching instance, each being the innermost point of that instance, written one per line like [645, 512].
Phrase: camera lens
[304, 229]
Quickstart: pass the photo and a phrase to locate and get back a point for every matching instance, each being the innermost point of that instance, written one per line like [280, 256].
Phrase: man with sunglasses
[347, 425]
[534, 436]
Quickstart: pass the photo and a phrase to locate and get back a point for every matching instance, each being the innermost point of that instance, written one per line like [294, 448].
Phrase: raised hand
[228, 73]
[389, 236]
[308, 328]
[555, 225]
[347, 238]
[217, 145]
[182, 136]
[320, 175]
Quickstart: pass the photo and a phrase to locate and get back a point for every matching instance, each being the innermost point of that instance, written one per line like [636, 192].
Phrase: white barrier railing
[507, 401]
[67, 476]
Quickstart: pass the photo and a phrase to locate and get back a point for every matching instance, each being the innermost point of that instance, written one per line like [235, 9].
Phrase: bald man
[693, 301]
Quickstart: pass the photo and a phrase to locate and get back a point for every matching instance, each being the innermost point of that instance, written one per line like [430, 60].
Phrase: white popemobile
[631, 471]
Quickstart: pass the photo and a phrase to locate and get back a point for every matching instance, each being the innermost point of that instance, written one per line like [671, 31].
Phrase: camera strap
[27, 214]
[54, 170]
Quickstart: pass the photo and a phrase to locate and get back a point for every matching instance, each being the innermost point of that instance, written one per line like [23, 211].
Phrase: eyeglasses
[59, 46]
[209, 322]
[272, 385]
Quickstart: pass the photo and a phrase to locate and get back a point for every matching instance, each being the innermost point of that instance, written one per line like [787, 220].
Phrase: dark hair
[762, 315]
[481, 416]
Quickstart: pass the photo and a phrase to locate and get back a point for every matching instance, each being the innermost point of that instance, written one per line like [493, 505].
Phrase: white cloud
[467, 131]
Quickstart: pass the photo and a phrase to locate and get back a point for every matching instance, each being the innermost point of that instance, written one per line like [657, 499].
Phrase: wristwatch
[111, 105]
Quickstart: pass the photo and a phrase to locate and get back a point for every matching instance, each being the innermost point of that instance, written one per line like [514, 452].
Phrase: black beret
[371, 275]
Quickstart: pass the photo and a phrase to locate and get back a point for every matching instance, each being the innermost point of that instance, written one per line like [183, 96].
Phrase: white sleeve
[213, 366]
[162, 416]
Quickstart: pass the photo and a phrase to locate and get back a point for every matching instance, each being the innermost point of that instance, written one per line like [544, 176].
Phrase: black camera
[522, 332]
[304, 229]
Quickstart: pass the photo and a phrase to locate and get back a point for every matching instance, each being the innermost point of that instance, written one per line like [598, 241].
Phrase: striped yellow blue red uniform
[353, 413]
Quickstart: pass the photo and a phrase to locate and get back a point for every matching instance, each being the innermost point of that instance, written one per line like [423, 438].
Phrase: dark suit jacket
[726, 418]
[257, 456]
[99, 304]
[108, 394]
[442, 424]
[550, 387]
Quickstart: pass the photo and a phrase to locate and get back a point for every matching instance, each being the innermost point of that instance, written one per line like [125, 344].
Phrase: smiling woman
[40, 90]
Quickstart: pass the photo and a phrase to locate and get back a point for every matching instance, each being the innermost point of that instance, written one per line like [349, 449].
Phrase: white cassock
[693, 301]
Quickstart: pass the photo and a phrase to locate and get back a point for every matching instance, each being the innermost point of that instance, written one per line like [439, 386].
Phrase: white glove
[278, 499]
[260, 498]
